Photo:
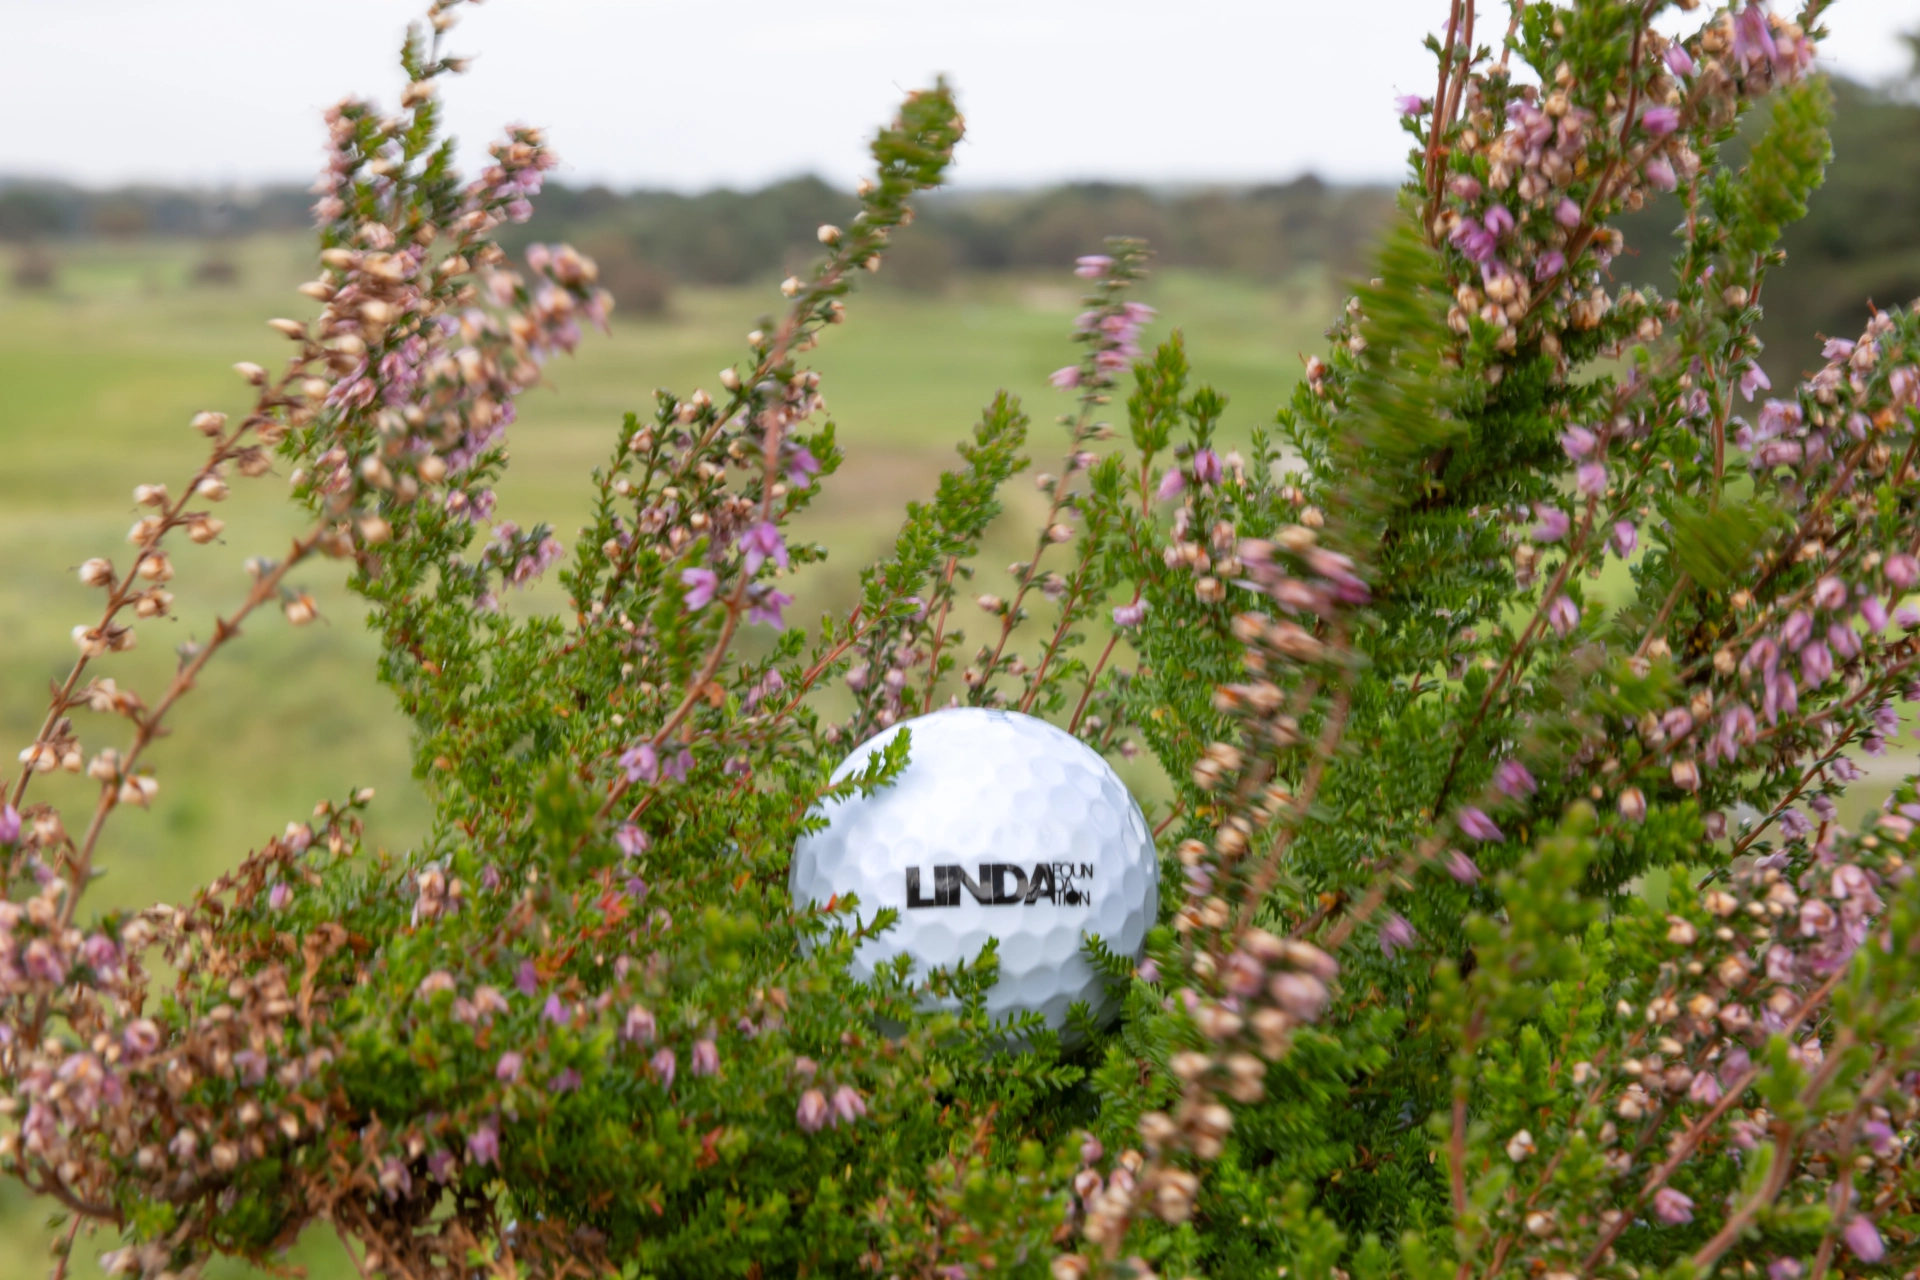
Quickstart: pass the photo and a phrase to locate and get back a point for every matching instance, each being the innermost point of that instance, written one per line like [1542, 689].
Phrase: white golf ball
[1000, 826]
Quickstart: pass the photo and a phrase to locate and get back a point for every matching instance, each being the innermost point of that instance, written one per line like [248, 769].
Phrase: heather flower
[1550, 264]
[664, 1065]
[1130, 615]
[1660, 175]
[1704, 1090]
[1660, 121]
[1462, 868]
[1873, 613]
[1092, 266]
[1753, 378]
[1625, 539]
[1511, 779]
[701, 585]
[762, 543]
[526, 979]
[1633, 805]
[1553, 525]
[765, 605]
[641, 763]
[556, 1011]
[812, 1113]
[1578, 442]
[1563, 615]
[1591, 480]
[1567, 213]
[1396, 934]
[1497, 220]
[279, 896]
[1902, 570]
[1475, 823]
[1065, 379]
[566, 1082]
[1672, 1207]
[1206, 467]
[507, 1070]
[1785, 1269]
[483, 1144]
[1862, 1239]
[632, 841]
[848, 1105]
[9, 825]
[1170, 484]
[802, 466]
[1410, 104]
[706, 1058]
[1679, 61]
[639, 1027]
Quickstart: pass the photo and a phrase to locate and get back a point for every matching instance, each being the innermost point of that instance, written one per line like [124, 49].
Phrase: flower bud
[251, 372]
[209, 424]
[790, 286]
[730, 379]
[97, 572]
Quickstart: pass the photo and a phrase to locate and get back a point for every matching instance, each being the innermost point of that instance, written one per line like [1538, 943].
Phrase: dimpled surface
[986, 789]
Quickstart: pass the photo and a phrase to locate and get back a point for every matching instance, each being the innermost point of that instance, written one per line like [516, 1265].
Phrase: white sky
[691, 93]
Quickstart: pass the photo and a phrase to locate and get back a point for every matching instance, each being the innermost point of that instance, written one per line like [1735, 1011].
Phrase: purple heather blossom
[1753, 43]
[1065, 379]
[1907, 616]
[1660, 121]
[526, 979]
[1874, 613]
[1553, 524]
[1843, 640]
[9, 824]
[1206, 467]
[1679, 61]
[483, 1144]
[1396, 934]
[1130, 615]
[1410, 104]
[1462, 868]
[1753, 379]
[1660, 175]
[1785, 1269]
[1797, 630]
[802, 466]
[641, 763]
[566, 1082]
[1475, 241]
[1550, 264]
[763, 543]
[1902, 570]
[1591, 479]
[507, 1070]
[1837, 349]
[812, 1113]
[1092, 266]
[1829, 592]
[1862, 1239]
[664, 1065]
[1672, 1207]
[1170, 484]
[1498, 220]
[1626, 538]
[765, 606]
[706, 1058]
[631, 840]
[279, 896]
[1816, 664]
[1705, 1090]
[440, 1165]
[701, 585]
[1563, 615]
[1511, 779]
[1578, 442]
[1476, 823]
[556, 1011]
[1147, 971]
[1567, 213]
[848, 1105]
[639, 1026]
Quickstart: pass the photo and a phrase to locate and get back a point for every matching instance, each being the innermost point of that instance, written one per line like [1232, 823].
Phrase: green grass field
[99, 378]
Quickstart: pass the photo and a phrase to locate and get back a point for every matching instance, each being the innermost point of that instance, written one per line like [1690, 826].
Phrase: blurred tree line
[1860, 240]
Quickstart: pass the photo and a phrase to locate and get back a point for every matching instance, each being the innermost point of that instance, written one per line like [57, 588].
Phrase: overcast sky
[692, 93]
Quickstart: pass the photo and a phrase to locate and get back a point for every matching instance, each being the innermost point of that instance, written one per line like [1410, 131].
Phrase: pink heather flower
[1410, 104]
[766, 606]
[555, 1011]
[700, 585]
[1907, 616]
[1704, 1090]
[848, 1105]
[9, 824]
[639, 1026]
[1147, 971]
[1837, 349]
[1065, 379]
[1816, 664]
[1474, 822]
[1512, 780]
[526, 979]
[1672, 1207]
[1092, 267]
[141, 1037]
[1396, 934]
[483, 1144]
[1679, 61]
[1660, 175]
[631, 840]
[1591, 479]
[1206, 467]
[802, 466]
[279, 896]
[706, 1058]
[1660, 121]
[1474, 240]
[1902, 570]
[1553, 524]
[440, 1165]
[1754, 379]
[1625, 538]
[1785, 1269]
[507, 1070]
[1567, 213]
[763, 543]
[641, 763]
[1497, 220]
[1862, 1239]
[1829, 592]
[1752, 41]
[1563, 615]
[677, 767]
[1874, 613]
[1130, 615]
[1797, 630]
[812, 1113]
[1551, 264]
[1462, 868]
[1170, 484]
[664, 1064]
[1578, 442]
[566, 1082]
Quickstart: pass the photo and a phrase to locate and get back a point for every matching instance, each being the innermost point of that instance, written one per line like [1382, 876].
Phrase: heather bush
[1506, 688]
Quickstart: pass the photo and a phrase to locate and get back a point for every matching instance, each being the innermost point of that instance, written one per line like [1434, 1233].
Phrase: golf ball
[1000, 826]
